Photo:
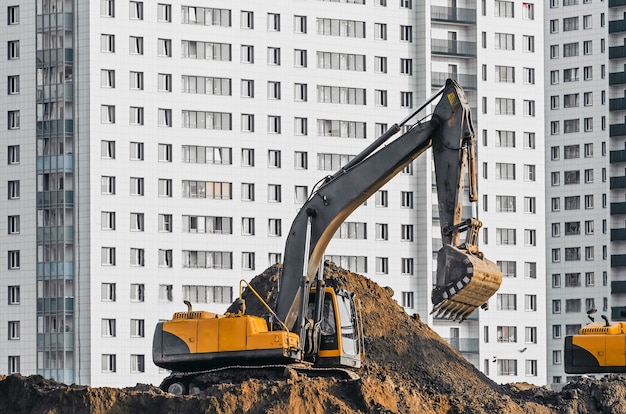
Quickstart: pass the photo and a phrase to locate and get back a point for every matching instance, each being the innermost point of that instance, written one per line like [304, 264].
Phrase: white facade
[129, 202]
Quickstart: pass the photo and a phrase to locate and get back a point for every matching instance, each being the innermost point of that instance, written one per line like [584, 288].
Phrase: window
[505, 106]
[108, 328]
[136, 222]
[136, 116]
[13, 120]
[247, 122]
[571, 126]
[108, 292]
[300, 92]
[504, 41]
[529, 172]
[273, 56]
[107, 43]
[530, 303]
[531, 367]
[380, 64]
[299, 24]
[165, 295]
[406, 199]
[301, 193]
[570, 49]
[382, 265]
[208, 294]
[13, 154]
[164, 48]
[273, 124]
[570, 23]
[165, 258]
[13, 87]
[406, 66]
[165, 223]
[382, 231]
[109, 363]
[136, 10]
[556, 331]
[506, 301]
[247, 19]
[508, 268]
[107, 8]
[165, 117]
[247, 191]
[165, 153]
[554, 77]
[273, 22]
[108, 256]
[13, 190]
[247, 226]
[406, 33]
[554, 26]
[108, 220]
[588, 75]
[164, 12]
[136, 186]
[572, 305]
[380, 31]
[247, 157]
[530, 205]
[274, 227]
[407, 300]
[554, 54]
[14, 295]
[273, 158]
[406, 99]
[107, 78]
[300, 126]
[587, 47]
[507, 333]
[299, 58]
[206, 50]
[407, 266]
[505, 236]
[247, 260]
[137, 292]
[503, 8]
[505, 171]
[13, 15]
[107, 113]
[556, 306]
[136, 45]
[589, 202]
[528, 43]
[570, 75]
[589, 279]
[572, 254]
[301, 160]
[380, 97]
[505, 74]
[505, 139]
[13, 225]
[570, 100]
[530, 237]
[13, 49]
[505, 203]
[273, 90]
[406, 232]
[556, 280]
[572, 203]
[274, 193]
[589, 253]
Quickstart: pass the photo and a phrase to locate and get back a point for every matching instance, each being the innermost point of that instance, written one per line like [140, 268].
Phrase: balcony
[618, 260]
[618, 234]
[464, 345]
[468, 82]
[56, 126]
[617, 104]
[51, 198]
[618, 208]
[53, 269]
[55, 340]
[55, 234]
[617, 156]
[55, 162]
[617, 130]
[617, 182]
[617, 3]
[45, 305]
[618, 313]
[617, 78]
[455, 15]
[617, 52]
[618, 287]
[456, 48]
[617, 26]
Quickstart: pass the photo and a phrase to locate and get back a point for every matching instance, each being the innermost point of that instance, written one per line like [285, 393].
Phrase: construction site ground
[408, 369]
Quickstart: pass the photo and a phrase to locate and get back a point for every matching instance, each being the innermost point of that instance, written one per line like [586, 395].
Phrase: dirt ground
[408, 369]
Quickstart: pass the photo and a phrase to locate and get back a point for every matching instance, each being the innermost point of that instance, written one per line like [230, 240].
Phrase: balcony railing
[464, 345]
[617, 130]
[617, 78]
[453, 15]
[618, 286]
[618, 260]
[616, 52]
[617, 3]
[618, 208]
[617, 182]
[467, 81]
[618, 234]
[457, 48]
[618, 313]
[616, 104]
[617, 26]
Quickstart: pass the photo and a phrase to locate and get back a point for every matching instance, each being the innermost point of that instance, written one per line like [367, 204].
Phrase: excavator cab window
[349, 329]
[328, 326]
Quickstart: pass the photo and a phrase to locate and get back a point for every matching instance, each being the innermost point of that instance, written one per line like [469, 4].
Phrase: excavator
[598, 348]
[312, 326]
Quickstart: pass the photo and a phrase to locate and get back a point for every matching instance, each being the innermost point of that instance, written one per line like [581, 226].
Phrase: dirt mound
[408, 369]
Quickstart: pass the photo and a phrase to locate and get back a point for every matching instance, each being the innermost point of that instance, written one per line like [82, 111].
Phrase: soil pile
[408, 369]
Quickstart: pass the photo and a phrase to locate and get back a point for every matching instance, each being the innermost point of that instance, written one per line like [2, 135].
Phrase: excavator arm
[462, 271]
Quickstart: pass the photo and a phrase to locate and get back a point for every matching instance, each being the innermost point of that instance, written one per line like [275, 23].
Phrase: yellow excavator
[312, 326]
[598, 348]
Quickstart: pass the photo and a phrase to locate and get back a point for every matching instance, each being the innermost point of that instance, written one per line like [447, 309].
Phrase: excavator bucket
[465, 281]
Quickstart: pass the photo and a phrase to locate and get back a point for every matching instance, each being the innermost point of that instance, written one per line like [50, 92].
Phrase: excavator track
[192, 383]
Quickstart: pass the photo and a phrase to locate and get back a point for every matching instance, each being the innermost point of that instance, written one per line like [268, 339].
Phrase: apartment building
[157, 152]
[576, 84]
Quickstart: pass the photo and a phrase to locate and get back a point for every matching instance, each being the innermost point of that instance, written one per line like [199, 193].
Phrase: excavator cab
[338, 331]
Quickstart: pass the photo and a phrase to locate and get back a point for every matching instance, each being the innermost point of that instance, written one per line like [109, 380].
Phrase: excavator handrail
[249, 286]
